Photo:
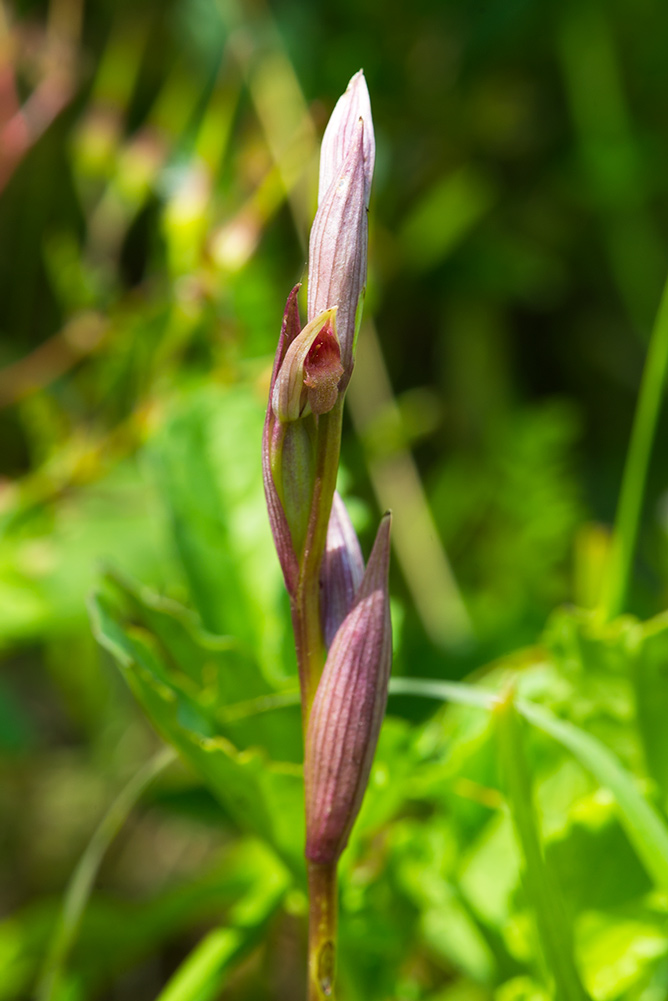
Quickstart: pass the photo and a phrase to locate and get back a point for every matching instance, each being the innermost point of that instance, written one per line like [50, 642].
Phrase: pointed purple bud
[338, 242]
[347, 712]
[339, 134]
[341, 572]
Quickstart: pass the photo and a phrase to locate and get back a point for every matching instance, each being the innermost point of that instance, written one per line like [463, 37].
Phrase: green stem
[323, 913]
[541, 887]
[637, 462]
[306, 607]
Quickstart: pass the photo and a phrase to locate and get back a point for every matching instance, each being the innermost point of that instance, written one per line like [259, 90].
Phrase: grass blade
[541, 887]
[644, 827]
[199, 978]
[81, 883]
[637, 462]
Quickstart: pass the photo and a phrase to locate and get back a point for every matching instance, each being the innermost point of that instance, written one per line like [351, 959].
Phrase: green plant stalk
[311, 654]
[322, 931]
[541, 887]
[636, 465]
[309, 642]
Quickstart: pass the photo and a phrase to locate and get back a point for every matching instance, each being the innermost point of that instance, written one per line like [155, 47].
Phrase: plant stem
[311, 653]
[637, 462]
[323, 908]
[306, 608]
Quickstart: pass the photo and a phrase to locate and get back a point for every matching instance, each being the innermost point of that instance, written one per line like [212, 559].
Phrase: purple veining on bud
[341, 572]
[308, 378]
[339, 236]
[347, 712]
[349, 108]
[272, 440]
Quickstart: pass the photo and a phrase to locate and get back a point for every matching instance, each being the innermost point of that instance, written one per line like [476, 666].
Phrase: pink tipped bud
[347, 712]
[308, 379]
[341, 572]
[339, 135]
[338, 242]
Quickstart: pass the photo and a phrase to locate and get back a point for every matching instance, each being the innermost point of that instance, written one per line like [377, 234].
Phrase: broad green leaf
[263, 797]
[619, 951]
[208, 462]
[201, 531]
[643, 825]
[424, 854]
[217, 673]
[50, 556]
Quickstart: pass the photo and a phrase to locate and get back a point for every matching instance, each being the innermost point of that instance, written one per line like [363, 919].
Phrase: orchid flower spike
[313, 365]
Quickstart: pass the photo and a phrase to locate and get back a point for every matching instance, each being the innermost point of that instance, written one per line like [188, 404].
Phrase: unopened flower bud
[338, 242]
[339, 134]
[347, 712]
[341, 572]
[308, 379]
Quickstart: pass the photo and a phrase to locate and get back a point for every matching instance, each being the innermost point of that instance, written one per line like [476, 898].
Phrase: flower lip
[323, 370]
[291, 395]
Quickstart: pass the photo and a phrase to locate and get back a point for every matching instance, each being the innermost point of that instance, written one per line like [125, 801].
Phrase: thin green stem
[542, 889]
[637, 462]
[322, 929]
[306, 607]
[311, 653]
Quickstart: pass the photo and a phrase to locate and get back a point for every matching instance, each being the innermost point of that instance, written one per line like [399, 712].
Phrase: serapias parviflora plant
[340, 608]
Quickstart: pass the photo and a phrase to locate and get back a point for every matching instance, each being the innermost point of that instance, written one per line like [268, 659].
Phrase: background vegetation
[158, 171]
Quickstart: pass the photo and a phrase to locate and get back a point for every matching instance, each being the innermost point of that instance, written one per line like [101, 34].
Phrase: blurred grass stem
[81, 883]
[637, 462]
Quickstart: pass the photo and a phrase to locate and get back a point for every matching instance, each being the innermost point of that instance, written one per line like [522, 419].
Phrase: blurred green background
[158, 166]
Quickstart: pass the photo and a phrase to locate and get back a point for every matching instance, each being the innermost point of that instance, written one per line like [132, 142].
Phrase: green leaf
[216, 672]
[262, 796]
[643, 825]
[208, 462]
